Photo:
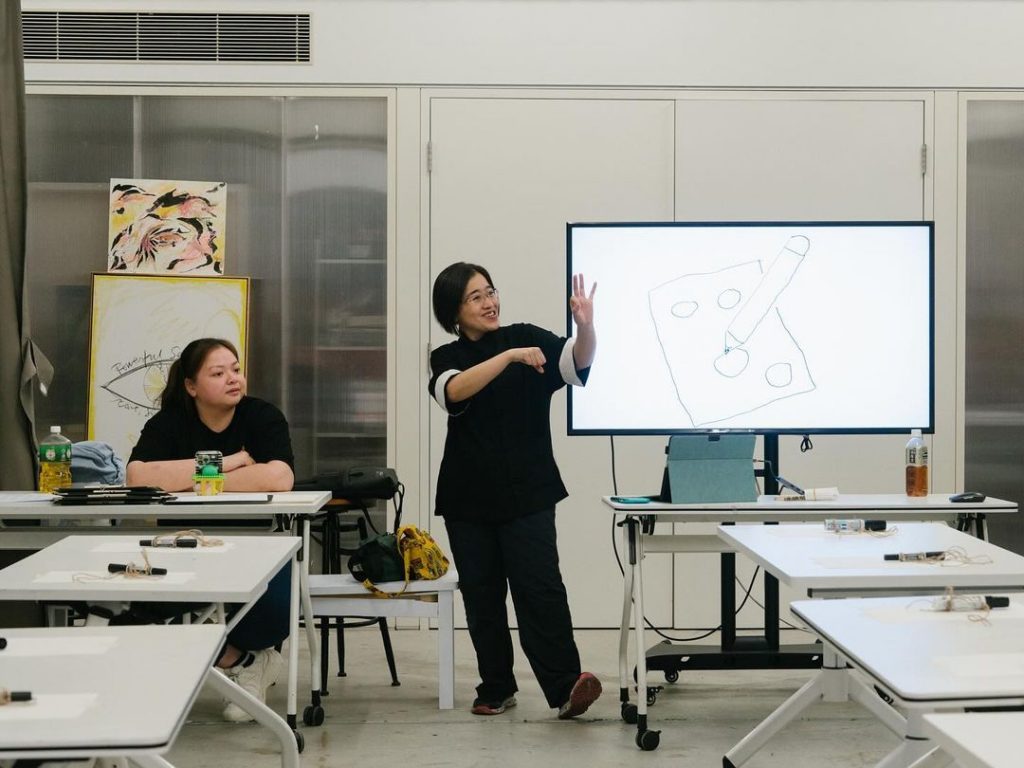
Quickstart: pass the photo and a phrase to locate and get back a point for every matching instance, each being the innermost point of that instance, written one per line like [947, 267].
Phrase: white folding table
[237, 571]
[973, 739]
[639, 537]
[824, 564]
[98, 691]
[292, 511]
[924, 661]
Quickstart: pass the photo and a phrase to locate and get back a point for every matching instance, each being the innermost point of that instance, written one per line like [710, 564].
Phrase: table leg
[263, 715]
[935, 759]
[314, 714]
[645, 739]
[810, 693]
[771, 612]
[833, 683]
[624, 627]
[727, 599]
[916, 745]
[446, 650]
[150, 761]
[868, 697]
[293, 642]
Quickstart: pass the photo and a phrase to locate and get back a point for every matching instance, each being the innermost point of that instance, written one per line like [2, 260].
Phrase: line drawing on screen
[726, 346]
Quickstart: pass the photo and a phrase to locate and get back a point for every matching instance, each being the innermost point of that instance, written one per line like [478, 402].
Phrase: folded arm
[241, 474]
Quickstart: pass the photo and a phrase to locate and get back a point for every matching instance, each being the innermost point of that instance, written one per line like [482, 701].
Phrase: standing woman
[498, 483]
[205, 407]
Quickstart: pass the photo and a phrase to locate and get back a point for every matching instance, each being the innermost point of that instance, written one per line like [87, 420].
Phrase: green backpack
[377, 560]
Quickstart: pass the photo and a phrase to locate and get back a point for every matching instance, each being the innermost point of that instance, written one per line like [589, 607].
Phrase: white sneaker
[255, 679]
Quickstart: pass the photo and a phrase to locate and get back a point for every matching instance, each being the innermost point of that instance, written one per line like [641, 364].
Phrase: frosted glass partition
[994, 446]
[306, 221]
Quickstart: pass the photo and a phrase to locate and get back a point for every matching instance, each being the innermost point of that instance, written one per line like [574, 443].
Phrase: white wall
[699, 43]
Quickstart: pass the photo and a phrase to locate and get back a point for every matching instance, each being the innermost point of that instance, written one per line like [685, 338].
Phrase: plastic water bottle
[917, 465]
[54, 461]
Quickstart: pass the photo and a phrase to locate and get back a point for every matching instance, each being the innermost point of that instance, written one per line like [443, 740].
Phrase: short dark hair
[187, 366]
[448, 288]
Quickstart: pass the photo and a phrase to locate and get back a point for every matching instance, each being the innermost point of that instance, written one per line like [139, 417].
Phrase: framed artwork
[167, 227]
[139, 325]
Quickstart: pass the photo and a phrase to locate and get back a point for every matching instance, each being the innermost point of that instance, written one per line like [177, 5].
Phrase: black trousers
[264, 626]
[521, 555]
[267, 622]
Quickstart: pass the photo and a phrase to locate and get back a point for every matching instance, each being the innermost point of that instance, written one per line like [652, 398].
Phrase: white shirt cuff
[440, 384]
[567, 364]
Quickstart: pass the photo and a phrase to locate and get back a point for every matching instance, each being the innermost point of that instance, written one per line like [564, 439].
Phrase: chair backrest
[355, 483]
[359, 485]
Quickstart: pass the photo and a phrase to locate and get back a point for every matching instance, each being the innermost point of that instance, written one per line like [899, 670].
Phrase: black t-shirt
[498, 462]
[257, 426]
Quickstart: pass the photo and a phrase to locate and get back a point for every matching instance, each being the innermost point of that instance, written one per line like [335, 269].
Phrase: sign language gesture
[580, 303]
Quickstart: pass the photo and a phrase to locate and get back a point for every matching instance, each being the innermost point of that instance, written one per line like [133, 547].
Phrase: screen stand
[748, 652]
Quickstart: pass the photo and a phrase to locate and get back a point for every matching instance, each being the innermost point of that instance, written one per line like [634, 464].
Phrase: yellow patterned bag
[424, 559]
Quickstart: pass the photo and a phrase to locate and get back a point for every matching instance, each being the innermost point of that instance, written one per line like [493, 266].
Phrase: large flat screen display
[766, 327]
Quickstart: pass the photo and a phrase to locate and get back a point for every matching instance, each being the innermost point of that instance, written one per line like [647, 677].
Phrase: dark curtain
[17, 372]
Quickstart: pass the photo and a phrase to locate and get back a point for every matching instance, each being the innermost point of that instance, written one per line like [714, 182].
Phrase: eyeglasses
[476, 297]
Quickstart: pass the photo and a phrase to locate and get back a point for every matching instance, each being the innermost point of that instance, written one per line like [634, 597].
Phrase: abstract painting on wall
[140, 324]
[167, 227]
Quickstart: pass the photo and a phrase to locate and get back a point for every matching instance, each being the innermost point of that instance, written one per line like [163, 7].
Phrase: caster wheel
[648, 740]
[300, 742]
[672, 676]
[313, 715]
[652, 697]
[629, 713]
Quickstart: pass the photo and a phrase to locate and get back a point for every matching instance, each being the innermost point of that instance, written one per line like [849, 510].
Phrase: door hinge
[430, 156]
[924, 159]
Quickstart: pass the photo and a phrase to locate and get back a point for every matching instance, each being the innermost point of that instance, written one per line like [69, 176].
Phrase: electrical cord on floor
[622, 570]
[781, 620]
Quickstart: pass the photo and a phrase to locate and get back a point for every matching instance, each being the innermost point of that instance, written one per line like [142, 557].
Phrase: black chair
[351, 491]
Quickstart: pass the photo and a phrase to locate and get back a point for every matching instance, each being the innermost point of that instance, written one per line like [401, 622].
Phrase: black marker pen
[905, 557]
[169, 542]
[121, 568]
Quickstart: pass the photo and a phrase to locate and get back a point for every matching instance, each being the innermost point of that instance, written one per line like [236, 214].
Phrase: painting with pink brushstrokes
[167, 227]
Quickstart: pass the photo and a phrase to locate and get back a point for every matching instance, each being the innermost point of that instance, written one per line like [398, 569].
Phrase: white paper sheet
[853, 563]
[134, 548]
[20, 497]
[52, 706]
[58, 646]
[221, 498]
[989, 665]
[68, 577]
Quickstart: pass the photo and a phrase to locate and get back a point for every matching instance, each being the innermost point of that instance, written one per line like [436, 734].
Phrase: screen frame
[929, 428]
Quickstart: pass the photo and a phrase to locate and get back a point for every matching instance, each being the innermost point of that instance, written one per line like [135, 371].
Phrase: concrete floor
[370, 723]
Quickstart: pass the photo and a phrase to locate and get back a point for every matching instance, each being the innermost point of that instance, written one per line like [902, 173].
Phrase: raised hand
[580, 303]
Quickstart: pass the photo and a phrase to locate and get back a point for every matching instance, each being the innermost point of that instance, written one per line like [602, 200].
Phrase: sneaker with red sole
[481, 707]
[584, 692]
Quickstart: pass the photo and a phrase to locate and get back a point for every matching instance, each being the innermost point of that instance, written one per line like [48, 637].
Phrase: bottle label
[60, 452]
[917, 456]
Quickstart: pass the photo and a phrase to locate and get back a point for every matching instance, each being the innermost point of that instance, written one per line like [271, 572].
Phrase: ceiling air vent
[66, 36]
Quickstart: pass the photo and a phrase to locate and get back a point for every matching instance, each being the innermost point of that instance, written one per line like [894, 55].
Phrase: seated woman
[205, 407]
